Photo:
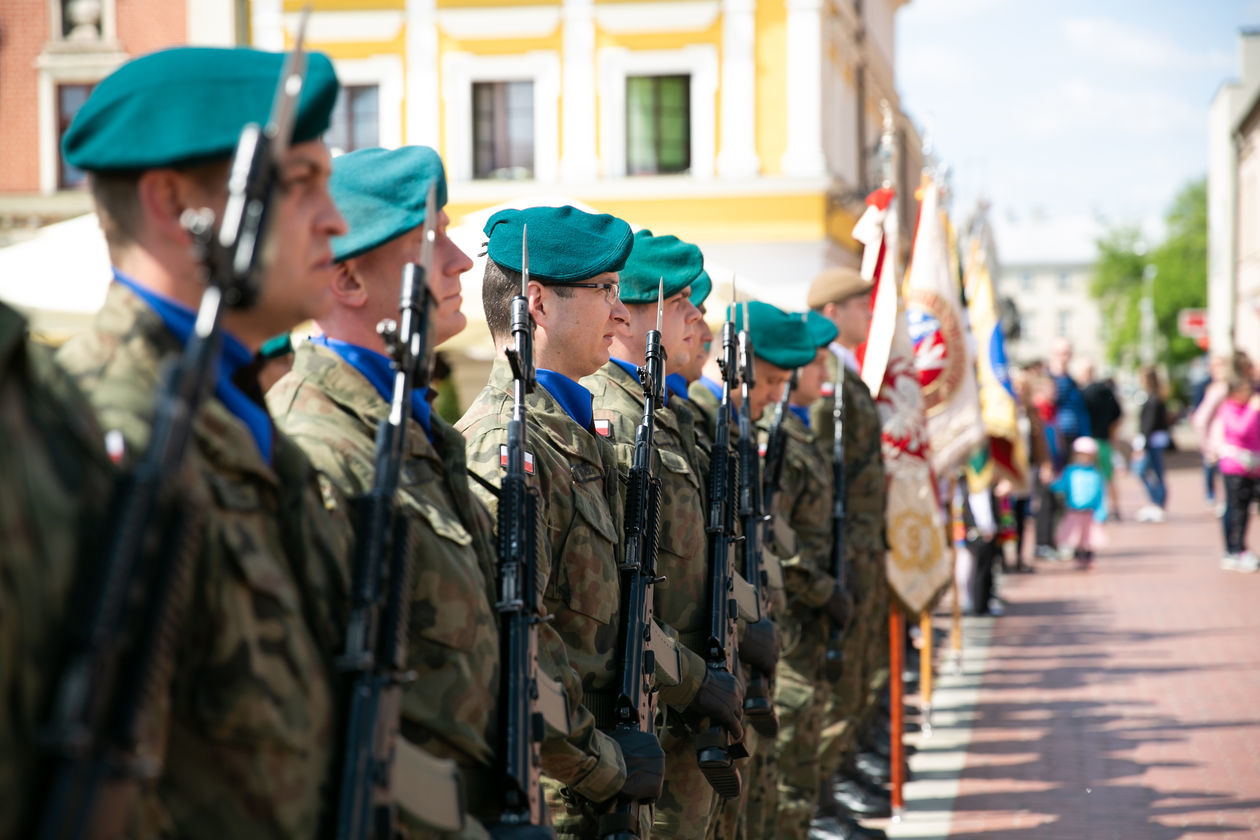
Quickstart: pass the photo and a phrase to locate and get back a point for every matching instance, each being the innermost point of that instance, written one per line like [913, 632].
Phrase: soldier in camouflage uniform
[54, 483]
[803, 532]
[249, 731]
[573, 299]
[332, 403]
[687, 803]
[841, 295]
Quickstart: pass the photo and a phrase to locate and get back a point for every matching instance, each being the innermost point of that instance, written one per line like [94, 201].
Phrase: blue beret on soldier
[700, 288]
[821, 328]
[381, 193]
[778, 337]
[654, 259]
[566, 245]
[187, 105]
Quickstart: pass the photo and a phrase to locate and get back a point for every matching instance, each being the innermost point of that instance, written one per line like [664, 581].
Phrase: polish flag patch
[503, 459]
[762, 447]
[828, 389]
[603, 428]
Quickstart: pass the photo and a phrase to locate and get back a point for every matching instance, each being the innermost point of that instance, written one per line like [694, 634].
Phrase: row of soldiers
[237, 732]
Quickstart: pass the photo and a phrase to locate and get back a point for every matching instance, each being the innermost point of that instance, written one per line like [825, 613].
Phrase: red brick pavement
[1123, 702]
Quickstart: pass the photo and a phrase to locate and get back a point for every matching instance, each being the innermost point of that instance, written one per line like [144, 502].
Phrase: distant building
[1046, 266]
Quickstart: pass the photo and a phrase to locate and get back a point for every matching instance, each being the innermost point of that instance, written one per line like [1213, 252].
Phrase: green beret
[821, 328]
[656, 258]
[276, 347]
[700, 288]
[382, 193]
[188, 105]
[566, 245]
[778, 337]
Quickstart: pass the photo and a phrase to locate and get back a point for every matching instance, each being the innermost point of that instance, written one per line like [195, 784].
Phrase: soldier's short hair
[117, 198]
[498, 286]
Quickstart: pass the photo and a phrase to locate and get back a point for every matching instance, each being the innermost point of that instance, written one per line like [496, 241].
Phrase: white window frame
[460, 70]
[616, 64]
[386, 72]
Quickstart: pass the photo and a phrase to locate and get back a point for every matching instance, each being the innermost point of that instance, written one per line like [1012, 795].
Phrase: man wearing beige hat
[843, 297]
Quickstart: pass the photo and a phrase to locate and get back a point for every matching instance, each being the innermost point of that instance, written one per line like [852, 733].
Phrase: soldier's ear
[537, 304]
[163, 196]
[348, 286]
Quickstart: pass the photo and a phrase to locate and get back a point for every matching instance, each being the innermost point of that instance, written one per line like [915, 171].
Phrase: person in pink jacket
[1238, 456]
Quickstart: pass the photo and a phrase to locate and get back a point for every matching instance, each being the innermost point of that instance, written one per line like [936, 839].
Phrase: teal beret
[382, 193]
[822, 329]
[276, 347]
[566, 245]
[654, 258]
[188, 105]
[778, 337]
[700, 288]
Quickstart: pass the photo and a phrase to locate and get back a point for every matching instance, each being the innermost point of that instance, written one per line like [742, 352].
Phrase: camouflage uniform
[331, 411]
[866, 643]
[581, 541]
[687, 803]
[54, 483]
[252, 716]
[803, 534]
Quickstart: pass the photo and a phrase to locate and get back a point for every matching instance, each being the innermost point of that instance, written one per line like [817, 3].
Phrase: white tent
[59, 277]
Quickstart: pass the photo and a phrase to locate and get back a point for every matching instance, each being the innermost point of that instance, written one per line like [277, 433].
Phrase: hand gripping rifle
[839, 513]
[374, 659]
[715, 752]
[528, 700]
[759, 696]
[122, 654]
[636, 698]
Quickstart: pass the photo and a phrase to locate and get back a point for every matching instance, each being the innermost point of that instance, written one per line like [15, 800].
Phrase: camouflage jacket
[252, 712]
[331, 411]
[681, 558]
[54, 484]
[580, 504]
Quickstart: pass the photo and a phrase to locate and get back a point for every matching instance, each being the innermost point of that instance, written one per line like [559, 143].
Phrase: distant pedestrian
[1206, 421]
[1069, 403]
[1104, 418]
[1238, 452]
[1039, 471]
[1084, 492]
[1042, 396]
[1149, 446]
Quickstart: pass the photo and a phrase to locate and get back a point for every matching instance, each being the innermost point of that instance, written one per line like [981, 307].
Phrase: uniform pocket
[448, 589]
[587, 577]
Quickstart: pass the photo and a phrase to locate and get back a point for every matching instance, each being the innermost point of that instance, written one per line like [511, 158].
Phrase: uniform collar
[378, 370]
[571, 395]
[633, 370]
[846, 355]
[676, 384]
[233, 356]
[713, 385]
[801, 412]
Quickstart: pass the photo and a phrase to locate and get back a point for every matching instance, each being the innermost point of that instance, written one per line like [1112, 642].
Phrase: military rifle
[122, 654]
[715, 752]
[759, 696]
[839, 514]
[527, 699]
[776, 452]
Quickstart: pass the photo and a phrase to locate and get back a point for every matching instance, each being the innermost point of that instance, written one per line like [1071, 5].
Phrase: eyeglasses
[612, 291]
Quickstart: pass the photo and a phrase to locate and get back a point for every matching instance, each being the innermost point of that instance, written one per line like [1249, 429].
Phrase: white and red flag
[918, 566]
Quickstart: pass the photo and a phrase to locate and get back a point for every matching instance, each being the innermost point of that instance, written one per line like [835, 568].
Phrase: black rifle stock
[521, 686]
[839, 513]
[121, 655]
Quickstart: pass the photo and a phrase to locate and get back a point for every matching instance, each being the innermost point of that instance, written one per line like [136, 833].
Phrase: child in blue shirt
[1083, 488]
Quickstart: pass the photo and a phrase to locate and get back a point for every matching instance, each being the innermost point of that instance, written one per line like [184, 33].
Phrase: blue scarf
[179, 319]
[379, 370]
[633, 370]
[712, 385]
[573, 398]
[676, 384]
[801, 412]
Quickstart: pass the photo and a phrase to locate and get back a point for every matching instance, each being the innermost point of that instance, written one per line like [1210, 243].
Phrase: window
[1027, 281]
[1063, 323]
[1063, 281]
[658, 125]
[356, 119]
[503, 130]
[70, 99]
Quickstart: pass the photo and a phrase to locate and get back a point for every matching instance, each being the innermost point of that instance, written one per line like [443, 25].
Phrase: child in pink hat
[1084, 490]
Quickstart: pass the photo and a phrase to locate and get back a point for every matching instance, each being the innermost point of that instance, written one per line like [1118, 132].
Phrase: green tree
[1180, 262]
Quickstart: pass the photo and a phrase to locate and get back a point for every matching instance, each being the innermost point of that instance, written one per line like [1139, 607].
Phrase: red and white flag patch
[503, 459]
[762, 447]
[603, 428]
[829, 389]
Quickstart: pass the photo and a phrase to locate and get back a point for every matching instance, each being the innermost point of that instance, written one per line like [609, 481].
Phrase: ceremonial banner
[918, 565]
[938, 330]
[1007, 456]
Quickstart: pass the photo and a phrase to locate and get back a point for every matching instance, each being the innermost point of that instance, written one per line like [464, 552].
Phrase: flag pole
[955, 630]
[925, 671]
[896, 752]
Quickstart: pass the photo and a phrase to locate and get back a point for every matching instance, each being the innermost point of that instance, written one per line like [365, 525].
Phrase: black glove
[759, 646]
[507, 831]
[839, 609]
[721, 699]
[645, 763]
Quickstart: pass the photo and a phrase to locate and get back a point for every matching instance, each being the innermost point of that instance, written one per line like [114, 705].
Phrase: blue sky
[1071, 107]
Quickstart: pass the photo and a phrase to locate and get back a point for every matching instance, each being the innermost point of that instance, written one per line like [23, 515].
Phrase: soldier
[574, 300]
[841, 295]
[54, 482]
[803, 516]
[249, 728]
[685, 806]
[332, 403]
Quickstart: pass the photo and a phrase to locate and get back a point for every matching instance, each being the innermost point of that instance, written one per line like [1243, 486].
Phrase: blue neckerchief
[801, 412]
[633, 370]
[712, 385]
[676, 384]
[573, 398]
[179, 319]
[379, 370]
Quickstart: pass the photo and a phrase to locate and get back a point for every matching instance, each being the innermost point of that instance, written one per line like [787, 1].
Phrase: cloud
[949, 11]
[1112, 40]
[938, 64]
[1077, 105]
